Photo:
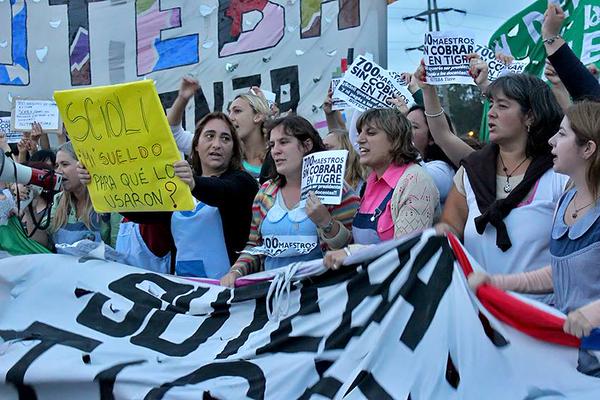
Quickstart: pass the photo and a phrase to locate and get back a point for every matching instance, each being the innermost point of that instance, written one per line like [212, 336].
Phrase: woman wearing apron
[72, 217]
[282, 230]
[205, 241]
[399, 197]
[573, 274]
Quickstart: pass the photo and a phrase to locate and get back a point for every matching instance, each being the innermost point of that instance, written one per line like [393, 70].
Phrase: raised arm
[450, 144]
[187, 90]
[333, 117]
[576, 77]
[558, 88]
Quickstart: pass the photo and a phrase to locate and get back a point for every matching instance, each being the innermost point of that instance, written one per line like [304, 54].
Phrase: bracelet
[237, 271]
[347, 251]
[551, 40]
[329, 227]
[436, 114]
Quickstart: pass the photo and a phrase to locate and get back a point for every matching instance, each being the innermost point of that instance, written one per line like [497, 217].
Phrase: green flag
[521, 37]
[14, 241]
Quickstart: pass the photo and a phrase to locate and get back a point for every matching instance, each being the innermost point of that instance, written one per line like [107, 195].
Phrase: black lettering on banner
[327, 387]
[246, 82]
[243, 369]
[106, 379]
[167, 99]
[425, 298]
[79, 21]
[48, 336]
[359, 288]
[281, 341]
[283, 77]
[255, 292]
[369, 387]
[143, 303]
[160, 320]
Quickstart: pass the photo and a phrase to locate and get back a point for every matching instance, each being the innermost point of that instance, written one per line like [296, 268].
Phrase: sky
[483, 18]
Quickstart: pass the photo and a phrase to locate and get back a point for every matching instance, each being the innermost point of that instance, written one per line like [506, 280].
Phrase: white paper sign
[323, 173]
[10, 135]
[401, 83]
[336, 102]
[497, 68]
[28, 111]
[367, 85]
[445, 55]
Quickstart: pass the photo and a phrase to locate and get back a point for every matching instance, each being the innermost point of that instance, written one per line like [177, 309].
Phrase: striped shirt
[264, 200]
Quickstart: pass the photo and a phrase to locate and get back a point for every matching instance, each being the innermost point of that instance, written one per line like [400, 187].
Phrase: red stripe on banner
[514, 312]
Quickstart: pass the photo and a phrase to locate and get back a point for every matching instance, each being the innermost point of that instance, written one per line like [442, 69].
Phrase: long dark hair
[537, 101]
[301, 129]
[433, 152]
[235, 164]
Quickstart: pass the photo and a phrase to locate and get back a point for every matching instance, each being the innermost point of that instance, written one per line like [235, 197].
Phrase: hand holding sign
[445, 55]
[183, 171]
[316, 211]
[121, 135]
[323, 174]
[478, 69]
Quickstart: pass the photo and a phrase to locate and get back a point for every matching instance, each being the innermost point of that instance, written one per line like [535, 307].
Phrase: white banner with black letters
[401, 323]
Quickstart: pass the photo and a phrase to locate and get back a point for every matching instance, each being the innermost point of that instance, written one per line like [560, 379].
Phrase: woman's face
[243, 118]
[215, 147]
[568, 155]
[66, 166]
[374, 147]
[506, 121]
[287, 152]
[332, 142]
[420, 131]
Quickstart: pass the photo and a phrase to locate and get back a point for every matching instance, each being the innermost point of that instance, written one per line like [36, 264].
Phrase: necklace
[507, 186]
[576, 212]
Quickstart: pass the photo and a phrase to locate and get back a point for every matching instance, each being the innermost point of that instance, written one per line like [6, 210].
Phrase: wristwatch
[551, 39]
[329, 227]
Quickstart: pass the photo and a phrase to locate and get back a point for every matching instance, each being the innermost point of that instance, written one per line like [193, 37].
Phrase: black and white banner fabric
[399, 323]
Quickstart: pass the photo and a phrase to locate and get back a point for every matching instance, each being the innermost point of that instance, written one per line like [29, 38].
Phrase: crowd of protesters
[525, 205]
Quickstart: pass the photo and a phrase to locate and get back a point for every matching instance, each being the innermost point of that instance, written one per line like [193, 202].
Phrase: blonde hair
[257, 103]
[67, 200]
[355, 173]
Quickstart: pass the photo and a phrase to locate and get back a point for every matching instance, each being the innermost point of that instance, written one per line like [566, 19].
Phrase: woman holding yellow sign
[207, 239]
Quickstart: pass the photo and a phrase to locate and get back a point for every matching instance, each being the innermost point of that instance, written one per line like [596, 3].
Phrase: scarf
[480, 166]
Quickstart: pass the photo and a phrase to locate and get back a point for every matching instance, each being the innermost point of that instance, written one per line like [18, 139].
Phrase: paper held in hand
[496, 68]
[27, 111]
[337, 104]
[445, 56]
[121, 134]
[10, 135]
[367, 85]
[323, 173]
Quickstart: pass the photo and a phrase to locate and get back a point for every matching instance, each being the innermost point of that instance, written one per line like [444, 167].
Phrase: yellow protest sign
[121, 134]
